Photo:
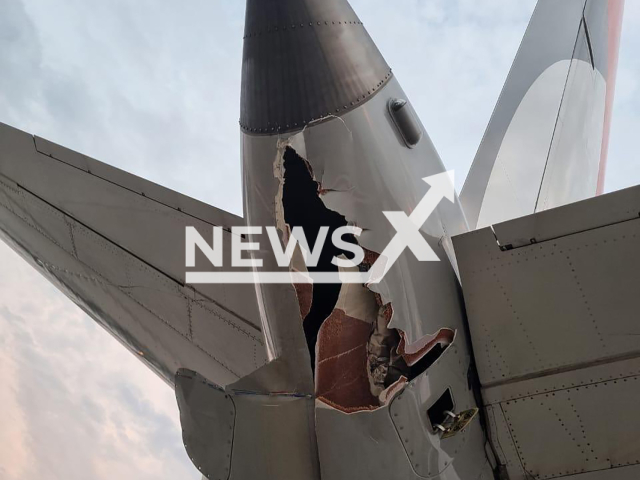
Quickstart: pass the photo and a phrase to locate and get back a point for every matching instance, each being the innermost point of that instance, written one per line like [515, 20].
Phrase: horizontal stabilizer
[115, 245]
[552, 304]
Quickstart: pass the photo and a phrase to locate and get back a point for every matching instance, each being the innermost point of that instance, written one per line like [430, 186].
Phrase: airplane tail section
[547, 141]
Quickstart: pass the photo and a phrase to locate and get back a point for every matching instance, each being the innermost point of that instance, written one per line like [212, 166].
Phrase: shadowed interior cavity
[303, 208]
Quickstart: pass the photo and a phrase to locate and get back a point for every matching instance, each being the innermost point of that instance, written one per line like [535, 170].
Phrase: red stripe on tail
[616, 10]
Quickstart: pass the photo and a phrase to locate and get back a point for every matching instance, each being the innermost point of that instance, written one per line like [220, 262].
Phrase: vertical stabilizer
[547, 141]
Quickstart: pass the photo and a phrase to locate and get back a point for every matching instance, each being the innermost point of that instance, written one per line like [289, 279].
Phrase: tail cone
[304, 60]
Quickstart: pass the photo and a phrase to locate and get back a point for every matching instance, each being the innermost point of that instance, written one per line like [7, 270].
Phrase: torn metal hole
[424, 353]
[304, 208]
[358, 362]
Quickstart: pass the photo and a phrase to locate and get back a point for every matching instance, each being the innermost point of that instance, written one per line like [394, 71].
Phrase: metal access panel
[553, 301]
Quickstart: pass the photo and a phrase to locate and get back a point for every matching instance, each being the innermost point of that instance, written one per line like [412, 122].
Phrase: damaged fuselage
[363, 380]
[332, 141]
[356, 348]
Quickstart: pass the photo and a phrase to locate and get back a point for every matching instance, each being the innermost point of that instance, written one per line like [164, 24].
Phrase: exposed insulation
[341, 377]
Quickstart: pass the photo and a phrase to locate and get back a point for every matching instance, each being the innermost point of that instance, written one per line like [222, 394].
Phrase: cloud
[145, 86]
[76, 405]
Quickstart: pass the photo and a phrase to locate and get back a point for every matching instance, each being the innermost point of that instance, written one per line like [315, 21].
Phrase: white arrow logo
[407, 236]
[408, 227]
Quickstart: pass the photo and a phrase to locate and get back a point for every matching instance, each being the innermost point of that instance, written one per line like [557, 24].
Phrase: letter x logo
[408, 226]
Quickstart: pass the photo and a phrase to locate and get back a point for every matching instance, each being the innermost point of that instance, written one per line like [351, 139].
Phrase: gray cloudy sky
[152, 86]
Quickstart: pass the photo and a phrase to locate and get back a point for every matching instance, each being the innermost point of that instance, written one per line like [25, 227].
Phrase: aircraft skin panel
[160, 194]
[552, 308]
[546, 143]
[572, 168]
[509, 193]
[119, 255]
